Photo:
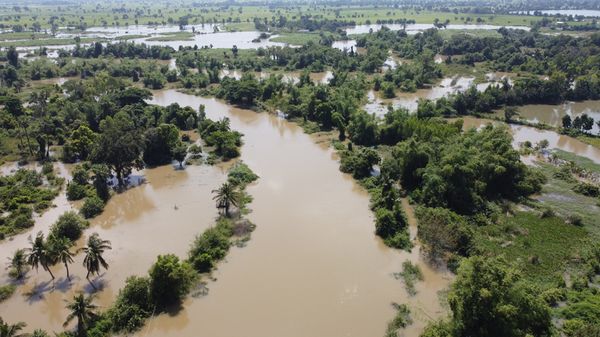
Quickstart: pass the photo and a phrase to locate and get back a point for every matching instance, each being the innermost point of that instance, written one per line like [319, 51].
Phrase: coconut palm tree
[61, 252]
[82, 309]
[93, 259]
[11, 330]
[226, 196]
[39, 254]
[18, 264]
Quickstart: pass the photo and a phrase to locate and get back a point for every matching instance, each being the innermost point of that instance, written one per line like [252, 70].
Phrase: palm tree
[61, 252]
[11, 330]
[39, 254]
[18, 264]
[81, 308]
[226, 196]
[93, 259]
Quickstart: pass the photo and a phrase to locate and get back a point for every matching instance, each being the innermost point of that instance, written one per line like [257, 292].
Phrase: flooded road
[314, 266]
[420, 27]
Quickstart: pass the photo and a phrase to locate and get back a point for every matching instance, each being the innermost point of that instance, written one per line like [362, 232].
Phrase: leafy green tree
[83, 310]
[170, 280]
[81, 142]
[18, 264]
[101, 174]
[39, 254]
[490, 299]
[11, 330]
[69, 225]
[12, 56]
[119, 146]
[93, 259]
[226, 196]
[179, 154]
[160, 143]
[60, 249]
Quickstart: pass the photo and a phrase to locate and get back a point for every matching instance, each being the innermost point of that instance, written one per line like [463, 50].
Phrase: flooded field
[523, 133]
[419, 27]
[552, 114]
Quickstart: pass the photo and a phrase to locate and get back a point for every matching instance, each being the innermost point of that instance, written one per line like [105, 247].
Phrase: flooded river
[313, 267]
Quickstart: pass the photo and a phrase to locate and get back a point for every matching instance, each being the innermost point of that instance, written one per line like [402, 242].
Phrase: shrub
[587, 189]
[170, 280]
[69, 225]
[211, 246]
[76, 191]
[241, 175]
[92, 207]
[575, 220]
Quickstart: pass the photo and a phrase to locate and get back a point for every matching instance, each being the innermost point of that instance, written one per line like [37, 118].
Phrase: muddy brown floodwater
[313, 267]
[141, 223]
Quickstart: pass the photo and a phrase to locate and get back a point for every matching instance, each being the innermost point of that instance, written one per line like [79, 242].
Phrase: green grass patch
[297, 38]
[541, 246]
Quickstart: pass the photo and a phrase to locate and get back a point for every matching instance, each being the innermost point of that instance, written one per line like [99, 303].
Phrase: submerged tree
[82, 309]
[226, 196]
[18, 264]
[93, 259]
[39, 254]
[60, 249]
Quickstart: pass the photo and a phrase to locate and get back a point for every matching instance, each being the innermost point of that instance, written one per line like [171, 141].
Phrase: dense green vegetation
[521, 239]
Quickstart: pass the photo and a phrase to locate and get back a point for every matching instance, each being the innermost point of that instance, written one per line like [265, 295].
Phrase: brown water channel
[313, 267]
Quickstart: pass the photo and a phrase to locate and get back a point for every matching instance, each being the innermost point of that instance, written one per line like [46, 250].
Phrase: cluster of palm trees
[46, 253]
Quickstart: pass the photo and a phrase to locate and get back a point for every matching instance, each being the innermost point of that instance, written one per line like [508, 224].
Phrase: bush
[69, 225]
[211, 246]
[92, 207]
[587, 189]
[241, 175]
[76, 191]
[170, 280]
[575, 220]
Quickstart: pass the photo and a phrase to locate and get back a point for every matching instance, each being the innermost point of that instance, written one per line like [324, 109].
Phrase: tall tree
[226, 196]
[39, 254]
[12, 56]
[60, 248]
[82, 309]
[93, 259]
[119, 146]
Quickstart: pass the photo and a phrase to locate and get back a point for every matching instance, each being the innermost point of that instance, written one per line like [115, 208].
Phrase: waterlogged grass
[46, 42]
[558, 195]
[175, 36]
[593, 141]
[410, 275]
[541, 246]
[583, 162]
